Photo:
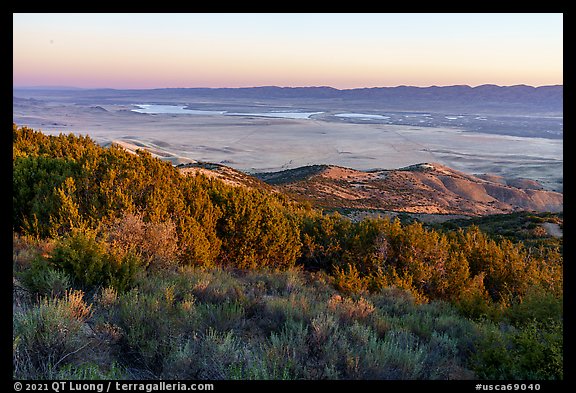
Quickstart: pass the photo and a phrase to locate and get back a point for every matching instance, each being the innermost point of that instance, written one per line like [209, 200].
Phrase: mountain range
[488, 97]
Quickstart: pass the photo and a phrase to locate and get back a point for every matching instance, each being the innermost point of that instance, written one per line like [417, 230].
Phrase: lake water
[362, 116]
[281, 115]
[172, 109]
[155, 109]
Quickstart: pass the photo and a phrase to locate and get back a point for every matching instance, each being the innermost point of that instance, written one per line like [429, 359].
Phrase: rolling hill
[421, 189]
[428, 188]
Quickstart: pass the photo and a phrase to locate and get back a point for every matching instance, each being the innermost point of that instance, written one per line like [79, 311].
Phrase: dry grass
[436, 189]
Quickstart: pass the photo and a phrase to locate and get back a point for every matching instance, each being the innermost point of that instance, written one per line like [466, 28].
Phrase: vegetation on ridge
[124, 252]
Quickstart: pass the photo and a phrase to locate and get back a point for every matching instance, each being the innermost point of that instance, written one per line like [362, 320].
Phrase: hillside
[126, 267]
[428, 188]
[422, 189]
[228, 175]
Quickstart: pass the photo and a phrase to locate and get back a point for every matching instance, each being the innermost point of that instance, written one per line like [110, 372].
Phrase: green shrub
[256, 229]
[536, 305]
[272, 282]
[324, 240]
[92, 264]
[145, 320]
[221, 317]
[279, 310]
[534, 351]
[154, 319]
[49, 335]
[207, 285]
[475, 303]
[211, 355]
[288, 349]
[539, 351]
[259, 369]
[398, 356]
[90, 371]
[35, 198]
[44, 280]
[349, 280]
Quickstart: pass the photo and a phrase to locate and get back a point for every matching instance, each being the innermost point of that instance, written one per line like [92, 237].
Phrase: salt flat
[260, 138]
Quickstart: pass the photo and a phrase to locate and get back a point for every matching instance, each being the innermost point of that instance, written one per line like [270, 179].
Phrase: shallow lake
[155, 109]
[172, 109]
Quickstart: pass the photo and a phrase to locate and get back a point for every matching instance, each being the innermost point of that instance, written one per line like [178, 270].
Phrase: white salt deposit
[362, 116]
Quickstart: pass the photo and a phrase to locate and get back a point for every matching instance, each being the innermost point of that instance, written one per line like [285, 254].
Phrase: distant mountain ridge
[518, 97]
[522, 97]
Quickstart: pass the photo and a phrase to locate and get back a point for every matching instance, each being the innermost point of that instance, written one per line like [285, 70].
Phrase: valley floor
[256, 143]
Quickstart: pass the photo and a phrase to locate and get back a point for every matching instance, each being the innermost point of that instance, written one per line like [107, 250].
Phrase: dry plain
[260, 137]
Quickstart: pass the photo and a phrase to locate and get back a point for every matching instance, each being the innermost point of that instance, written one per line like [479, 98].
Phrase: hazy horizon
[343, 51]
[55, 87]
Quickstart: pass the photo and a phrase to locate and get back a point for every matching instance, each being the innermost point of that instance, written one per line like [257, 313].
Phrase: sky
[341, 50]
